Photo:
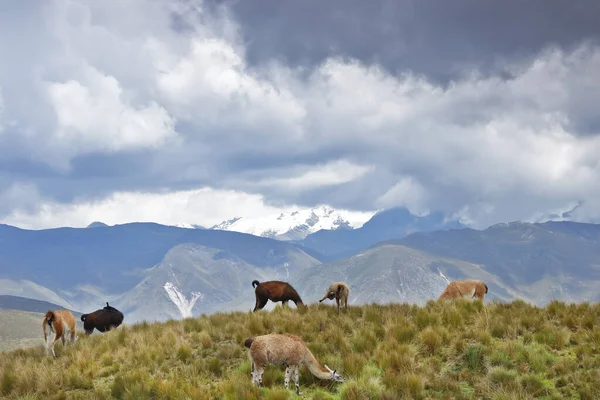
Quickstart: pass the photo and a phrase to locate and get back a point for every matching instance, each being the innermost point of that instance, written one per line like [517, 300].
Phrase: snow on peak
[224, 226]
[187, 226]
[297, 223]
[183, 304]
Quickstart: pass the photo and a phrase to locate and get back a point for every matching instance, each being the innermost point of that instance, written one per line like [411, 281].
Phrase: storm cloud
[197, 112]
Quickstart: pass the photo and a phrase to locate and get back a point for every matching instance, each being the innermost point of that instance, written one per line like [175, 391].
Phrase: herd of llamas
[278, 349]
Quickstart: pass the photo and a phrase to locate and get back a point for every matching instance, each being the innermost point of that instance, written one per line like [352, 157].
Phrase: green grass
[455, 350]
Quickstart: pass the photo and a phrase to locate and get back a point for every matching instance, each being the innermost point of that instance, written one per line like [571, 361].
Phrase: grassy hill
[439, 351]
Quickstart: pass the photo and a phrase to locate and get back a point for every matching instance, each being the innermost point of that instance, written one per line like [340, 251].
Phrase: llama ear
[329, 369]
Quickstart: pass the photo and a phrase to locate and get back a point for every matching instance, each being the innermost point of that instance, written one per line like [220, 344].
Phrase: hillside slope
[193, 279]
[448, 350]
[553, 260]
[394, 273]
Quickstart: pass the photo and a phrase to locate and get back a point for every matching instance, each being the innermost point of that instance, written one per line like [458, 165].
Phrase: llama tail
[255, 283]
[248, 342]
[486, 288]
[84, 317]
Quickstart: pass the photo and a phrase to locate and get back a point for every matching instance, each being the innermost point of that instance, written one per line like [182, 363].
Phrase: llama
[340, 292]
[288, 350]
[104, 320]
[274, 291]
[61, 322]
[467, 289]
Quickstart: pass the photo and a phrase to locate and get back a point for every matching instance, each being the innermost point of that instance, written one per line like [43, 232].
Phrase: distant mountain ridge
[8, 302]
[394, 223]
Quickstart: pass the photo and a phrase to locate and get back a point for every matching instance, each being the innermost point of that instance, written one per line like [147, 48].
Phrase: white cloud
[330, 174]
[94, 116]
[204, 207]
[406, 193]
[211, 86]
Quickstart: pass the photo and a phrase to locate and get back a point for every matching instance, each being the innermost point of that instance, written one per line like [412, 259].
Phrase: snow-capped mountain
[296, 224]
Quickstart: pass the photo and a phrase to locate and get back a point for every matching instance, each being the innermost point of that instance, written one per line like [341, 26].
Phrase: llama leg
[51, 346]
[285, 303]
[255, 305]
[262, 303]
[297, 379]
[288, 373]
[337, 301]
[258, 375]
[47, 343]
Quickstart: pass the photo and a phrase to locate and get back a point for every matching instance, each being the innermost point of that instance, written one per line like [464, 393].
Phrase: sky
[183, 111]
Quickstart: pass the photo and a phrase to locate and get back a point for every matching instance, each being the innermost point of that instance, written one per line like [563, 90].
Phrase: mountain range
[157, 272]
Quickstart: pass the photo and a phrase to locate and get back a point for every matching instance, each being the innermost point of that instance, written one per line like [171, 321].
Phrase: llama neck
[314, 367]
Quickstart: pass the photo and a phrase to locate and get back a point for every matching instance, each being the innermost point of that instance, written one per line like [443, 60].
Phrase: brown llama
[466, 289]
[288, 350]
[104, 319]
[340, 292]
[274, 291]
[61, 323]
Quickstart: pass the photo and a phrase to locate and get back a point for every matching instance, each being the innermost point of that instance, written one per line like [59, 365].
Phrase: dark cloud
[436, 38]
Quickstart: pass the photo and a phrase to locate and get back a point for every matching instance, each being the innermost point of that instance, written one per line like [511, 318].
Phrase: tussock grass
[457, 350]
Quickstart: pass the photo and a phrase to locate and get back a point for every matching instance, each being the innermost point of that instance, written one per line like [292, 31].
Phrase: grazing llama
[288, 350]
[274, 291]
[466, 289]
[59, 322]
[340, 292]
[104, 319]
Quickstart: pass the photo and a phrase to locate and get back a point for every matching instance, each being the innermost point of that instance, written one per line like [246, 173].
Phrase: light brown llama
[466, 289]
[340, 292]
[60, 322]
[288, 350]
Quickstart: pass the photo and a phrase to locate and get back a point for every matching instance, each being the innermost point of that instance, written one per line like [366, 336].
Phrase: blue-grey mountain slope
[543, 261]
[87, 267]
[389, 224]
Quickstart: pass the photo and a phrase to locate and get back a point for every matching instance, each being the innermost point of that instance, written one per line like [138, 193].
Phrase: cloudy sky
[195, 112]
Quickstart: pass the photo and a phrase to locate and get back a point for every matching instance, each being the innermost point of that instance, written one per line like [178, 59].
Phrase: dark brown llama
[274, 291]
[104, 319]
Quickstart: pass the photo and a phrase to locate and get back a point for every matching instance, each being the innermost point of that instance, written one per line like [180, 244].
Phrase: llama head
[331, 295]
[334, 375]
